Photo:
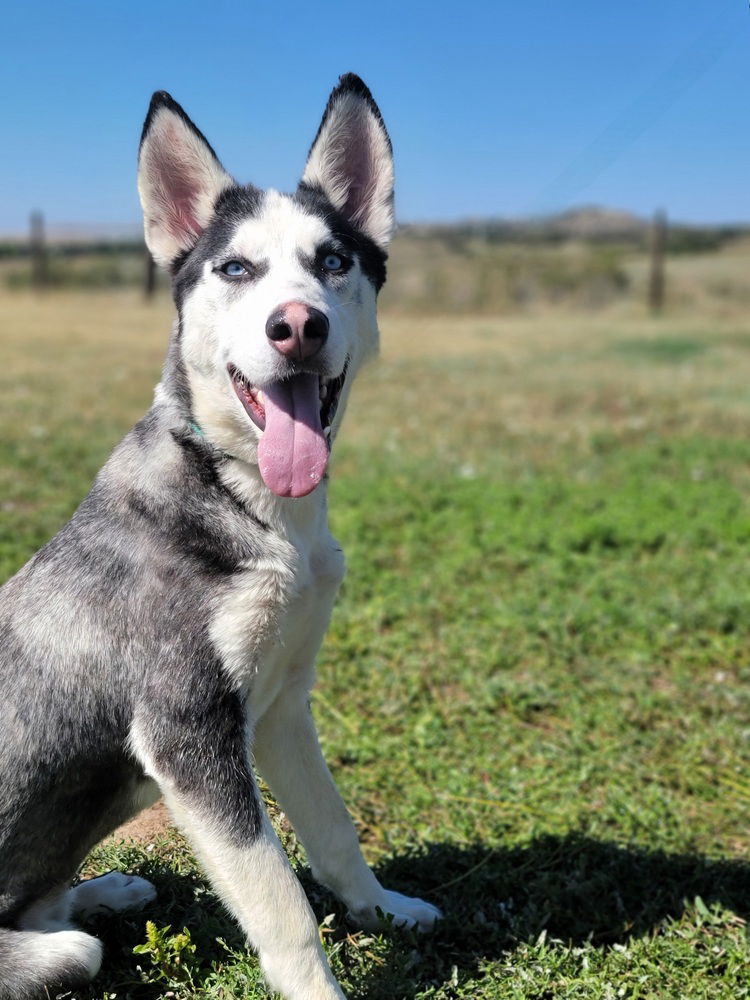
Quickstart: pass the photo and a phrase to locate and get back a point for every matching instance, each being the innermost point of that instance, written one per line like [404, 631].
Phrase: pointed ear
[179, 180]
[351, 160]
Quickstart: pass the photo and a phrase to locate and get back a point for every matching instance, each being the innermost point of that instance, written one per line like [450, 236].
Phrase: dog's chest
[271, 620]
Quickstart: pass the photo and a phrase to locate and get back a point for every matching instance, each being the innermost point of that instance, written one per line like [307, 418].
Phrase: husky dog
[167, 635]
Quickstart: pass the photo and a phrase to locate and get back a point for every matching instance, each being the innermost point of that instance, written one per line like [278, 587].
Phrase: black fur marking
[314, 265]
[372, 259]
[190, 519]
[187, 535]
[198, 741]
[310, 264]
[207, 463]
[145, 428]
[233, 207]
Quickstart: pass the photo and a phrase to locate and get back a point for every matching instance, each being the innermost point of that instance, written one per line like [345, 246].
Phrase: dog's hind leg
[46, 953]
[34, 963]
[203, 770]
[288, 756]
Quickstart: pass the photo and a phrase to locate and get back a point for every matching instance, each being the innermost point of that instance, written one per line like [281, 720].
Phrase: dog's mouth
[295, 416]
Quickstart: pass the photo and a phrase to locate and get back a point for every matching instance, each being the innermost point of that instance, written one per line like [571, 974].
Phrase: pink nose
[297, 331]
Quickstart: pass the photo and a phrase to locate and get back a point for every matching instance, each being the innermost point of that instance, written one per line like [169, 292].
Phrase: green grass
[535, 693]
[666, 349]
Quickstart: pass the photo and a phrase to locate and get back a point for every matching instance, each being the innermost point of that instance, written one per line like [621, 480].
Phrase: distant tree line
[21, 249]
[633, 234]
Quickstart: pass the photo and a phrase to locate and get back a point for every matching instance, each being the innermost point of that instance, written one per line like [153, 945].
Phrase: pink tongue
[293, 452]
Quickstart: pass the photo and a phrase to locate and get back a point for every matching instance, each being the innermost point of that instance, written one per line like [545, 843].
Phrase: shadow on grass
[576, 888]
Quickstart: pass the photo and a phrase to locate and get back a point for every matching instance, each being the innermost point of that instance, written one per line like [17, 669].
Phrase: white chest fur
[269, 624]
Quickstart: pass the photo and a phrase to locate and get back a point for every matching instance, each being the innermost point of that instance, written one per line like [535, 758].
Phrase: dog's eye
[233, 268]
[332, 262]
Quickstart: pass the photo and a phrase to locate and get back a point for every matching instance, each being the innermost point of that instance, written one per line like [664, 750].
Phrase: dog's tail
[35, 963]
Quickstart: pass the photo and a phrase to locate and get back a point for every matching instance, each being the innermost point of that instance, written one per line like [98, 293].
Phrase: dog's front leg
[200, 763]
[288, 756]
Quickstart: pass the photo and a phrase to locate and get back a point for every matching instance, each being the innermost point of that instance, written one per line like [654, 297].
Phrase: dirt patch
[146, 826]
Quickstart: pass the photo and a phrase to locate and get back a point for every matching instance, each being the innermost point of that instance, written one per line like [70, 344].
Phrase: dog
[165, 638]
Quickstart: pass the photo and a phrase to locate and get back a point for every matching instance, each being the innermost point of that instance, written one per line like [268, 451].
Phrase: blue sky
[495, 108]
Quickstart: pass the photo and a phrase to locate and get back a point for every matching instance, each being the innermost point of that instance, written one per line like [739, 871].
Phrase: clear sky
[500, 108]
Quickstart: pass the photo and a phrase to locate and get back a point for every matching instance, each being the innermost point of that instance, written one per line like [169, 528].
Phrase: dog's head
[275, 292]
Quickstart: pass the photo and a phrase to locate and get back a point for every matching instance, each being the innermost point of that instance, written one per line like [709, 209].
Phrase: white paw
[111, 893]
[400, 910]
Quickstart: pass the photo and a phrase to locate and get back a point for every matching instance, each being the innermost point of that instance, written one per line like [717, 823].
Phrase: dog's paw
[111, 893]
[398, 910]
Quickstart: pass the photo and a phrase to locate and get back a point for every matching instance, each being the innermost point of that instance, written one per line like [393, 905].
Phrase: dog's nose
[297, 331]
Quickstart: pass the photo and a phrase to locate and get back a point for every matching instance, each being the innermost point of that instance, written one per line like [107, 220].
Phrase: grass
[535, 693]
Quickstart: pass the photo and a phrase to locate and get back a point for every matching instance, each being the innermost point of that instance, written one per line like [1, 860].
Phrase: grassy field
[535, 693]
[449, 274]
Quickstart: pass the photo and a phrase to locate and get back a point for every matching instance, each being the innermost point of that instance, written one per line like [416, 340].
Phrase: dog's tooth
[260, 397]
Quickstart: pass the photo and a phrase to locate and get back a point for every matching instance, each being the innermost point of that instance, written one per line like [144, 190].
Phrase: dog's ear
[351, 160]
[179, 180]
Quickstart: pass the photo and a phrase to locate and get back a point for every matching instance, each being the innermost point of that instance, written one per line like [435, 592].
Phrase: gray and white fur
[166, 637]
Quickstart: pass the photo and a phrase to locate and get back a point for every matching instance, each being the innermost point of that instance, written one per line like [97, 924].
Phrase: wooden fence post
[39, 263]
[657, 279]
[149, 277]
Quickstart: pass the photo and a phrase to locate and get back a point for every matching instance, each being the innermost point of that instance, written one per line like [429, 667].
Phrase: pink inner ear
[179, 189]
[357, 168]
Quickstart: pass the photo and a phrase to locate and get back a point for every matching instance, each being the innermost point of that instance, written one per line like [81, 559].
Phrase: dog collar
[199, 432]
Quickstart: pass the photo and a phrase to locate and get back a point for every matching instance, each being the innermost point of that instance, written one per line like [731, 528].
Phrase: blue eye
[332, 262]
[234, 269]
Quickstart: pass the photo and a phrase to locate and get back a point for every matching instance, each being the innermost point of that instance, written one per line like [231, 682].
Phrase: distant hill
[590, 224]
